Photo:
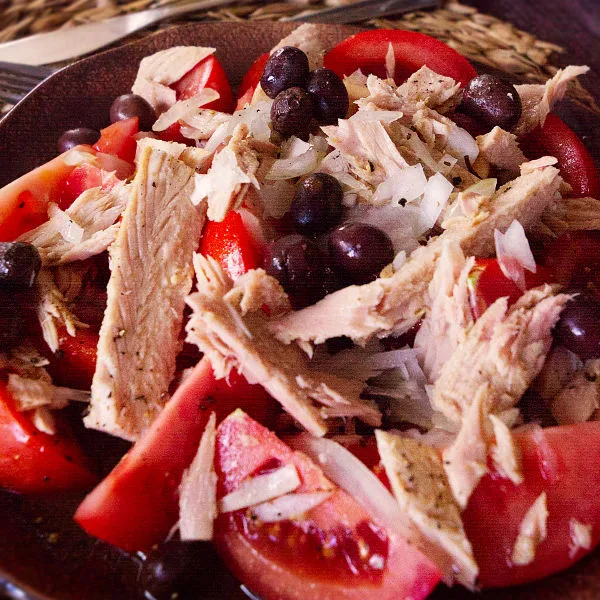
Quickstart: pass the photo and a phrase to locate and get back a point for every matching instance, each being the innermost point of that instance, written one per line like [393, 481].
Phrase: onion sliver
[261, 488]
[68, 229]
[355, 478]
[289, 506]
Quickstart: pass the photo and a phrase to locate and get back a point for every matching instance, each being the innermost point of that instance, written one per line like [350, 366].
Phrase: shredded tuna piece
[506, 455]
[254, 290]
[151, 274]
[501, 149]
[581, 537]
[580, 398]
[532, 532]
[245, 343]
[537, 100]
[449, 317]
[157, 71]
[228, 179]
[30, 394]
[418, 481]
[504, 350]
[95, 211]
[311, 39]
[394, 304]
[573, 214]
[195, 158]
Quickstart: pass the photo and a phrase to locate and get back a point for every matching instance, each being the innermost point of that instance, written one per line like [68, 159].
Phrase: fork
[16, 80]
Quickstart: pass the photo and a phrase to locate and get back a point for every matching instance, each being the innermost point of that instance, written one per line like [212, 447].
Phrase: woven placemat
[480, 37]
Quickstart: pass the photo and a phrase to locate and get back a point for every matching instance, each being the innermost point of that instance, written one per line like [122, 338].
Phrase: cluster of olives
[19, 266]
[123, 107]
[302, 98]
[309, 268]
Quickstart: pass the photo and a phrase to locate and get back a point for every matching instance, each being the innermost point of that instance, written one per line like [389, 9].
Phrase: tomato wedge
[117, 139]
[367, 51]
[577, 166]
[83, 178]
[75, 362]
[251, 80]
[563, 462]
[487, 283]
[334, 550]
[231, 245]
[136, 505]
[32, 461]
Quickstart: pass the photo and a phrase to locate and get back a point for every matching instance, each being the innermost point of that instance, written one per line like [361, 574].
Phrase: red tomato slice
[231, 245]
[24, 202]
[208, 73]
[173, 134]
[83, 178]
[576, 164]
[563, 462]
[367, 51]
[335, 551]
[252, 77]
[136, 505]
[118, 139]
[32, 461]
[487, 283]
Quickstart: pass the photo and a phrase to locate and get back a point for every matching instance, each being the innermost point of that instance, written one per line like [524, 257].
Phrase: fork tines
[17, 79]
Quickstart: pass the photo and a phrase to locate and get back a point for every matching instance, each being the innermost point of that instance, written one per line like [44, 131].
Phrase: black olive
[19, 264]
[360, 251]
[73, 137]
[132, 105]
[317, 204]
[11, 319]
[329, 95]
[302, 268]
[493, 101]
[292, 112]
[183, 570]
[578, 328]
[286, 68]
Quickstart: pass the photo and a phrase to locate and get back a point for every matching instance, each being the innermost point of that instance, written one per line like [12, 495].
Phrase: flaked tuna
[501, 149]
[151, 274]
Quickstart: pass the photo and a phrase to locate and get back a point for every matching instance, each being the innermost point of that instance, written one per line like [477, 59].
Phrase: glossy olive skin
[360, 251]
[11, 319]
[302, 268]
[189, 569]
[578, 328]
[492, 101]
[317, 204]
[329, 94]
[286, 68]
[132, 105]
[74, 137]
[19, 264]
[292, 113]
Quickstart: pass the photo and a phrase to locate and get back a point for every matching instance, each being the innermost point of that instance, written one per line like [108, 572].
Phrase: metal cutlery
[16, 80]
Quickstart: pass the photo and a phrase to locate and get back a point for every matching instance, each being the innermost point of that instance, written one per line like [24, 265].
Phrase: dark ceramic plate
[43, 555]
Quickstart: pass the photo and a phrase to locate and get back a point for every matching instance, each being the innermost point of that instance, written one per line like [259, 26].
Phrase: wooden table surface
[574, 25]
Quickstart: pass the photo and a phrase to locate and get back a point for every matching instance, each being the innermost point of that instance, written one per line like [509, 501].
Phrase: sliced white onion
[514, 253]
[217, 138]
[435, 197]
[75, 157]
[390, 61]
[383, 116]
[253, 226]
[261, 488]
[70, 231]
[461, 143]
[184, 109]
[290, 506]
[401, 184]
[399, 260]
[355, 478]
[485, 187]
[289, 168]
[294, 147]
[198, 490]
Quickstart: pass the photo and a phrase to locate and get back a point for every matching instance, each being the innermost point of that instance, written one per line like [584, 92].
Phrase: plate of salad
[297, 311]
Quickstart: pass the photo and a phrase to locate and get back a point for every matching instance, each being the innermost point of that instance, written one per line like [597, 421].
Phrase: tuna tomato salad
[350, 326]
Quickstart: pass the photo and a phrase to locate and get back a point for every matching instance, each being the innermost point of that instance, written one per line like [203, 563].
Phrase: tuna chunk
[195, 158]
[151, 274]
[573, 214]
[158, 71]
[311, 39]
[396, 303]
[538, 100]
[504, 350]
[231, 339]
[580, 398]
[501, 149]
[418, 481]
[92, 216]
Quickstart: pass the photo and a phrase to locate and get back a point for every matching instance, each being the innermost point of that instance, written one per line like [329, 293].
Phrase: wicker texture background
[480, 37]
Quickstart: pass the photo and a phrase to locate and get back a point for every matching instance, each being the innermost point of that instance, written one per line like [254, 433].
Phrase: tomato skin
[75, 363]
[32, 461]
[208, 73]
[82, 178]
[173, 134]
[487, 283]
[284, 572]
[252, 78]
[231, 245]
[563, 462]
[577, 166]
[367, 51]
[118, 139]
